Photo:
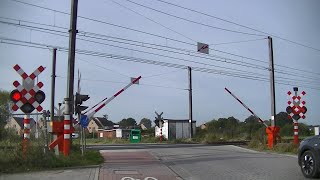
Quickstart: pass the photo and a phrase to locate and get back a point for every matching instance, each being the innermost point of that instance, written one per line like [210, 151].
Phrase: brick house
[99, 124]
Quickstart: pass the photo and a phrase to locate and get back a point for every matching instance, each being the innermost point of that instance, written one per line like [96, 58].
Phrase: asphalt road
[177, 162]
[205, 162]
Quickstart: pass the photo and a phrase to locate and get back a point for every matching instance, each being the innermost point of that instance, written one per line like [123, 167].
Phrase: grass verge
[12, 159]
[286, 148]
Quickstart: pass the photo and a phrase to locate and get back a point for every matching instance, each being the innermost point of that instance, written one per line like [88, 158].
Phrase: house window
[14, 126]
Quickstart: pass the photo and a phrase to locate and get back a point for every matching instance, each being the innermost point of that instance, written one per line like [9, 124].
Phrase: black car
[309, 157]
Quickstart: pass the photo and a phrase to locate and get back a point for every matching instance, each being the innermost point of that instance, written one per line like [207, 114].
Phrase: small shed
[176, 129]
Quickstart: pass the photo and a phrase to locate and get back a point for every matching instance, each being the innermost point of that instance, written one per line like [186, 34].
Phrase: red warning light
[15, 95]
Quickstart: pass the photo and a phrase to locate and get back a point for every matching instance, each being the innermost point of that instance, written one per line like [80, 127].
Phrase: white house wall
[182, 129]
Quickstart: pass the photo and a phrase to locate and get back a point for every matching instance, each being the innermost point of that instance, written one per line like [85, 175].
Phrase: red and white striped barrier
[115, 95]
[260, 120]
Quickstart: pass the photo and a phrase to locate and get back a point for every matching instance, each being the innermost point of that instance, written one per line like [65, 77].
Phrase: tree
[4, 110]
[282, 119]
[146, 122]
[130, 122]
[252, 125]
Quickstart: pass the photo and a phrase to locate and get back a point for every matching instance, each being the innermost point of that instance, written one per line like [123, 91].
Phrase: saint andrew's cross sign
[27, 96]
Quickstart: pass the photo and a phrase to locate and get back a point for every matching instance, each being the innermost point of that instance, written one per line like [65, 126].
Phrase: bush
[210, 138]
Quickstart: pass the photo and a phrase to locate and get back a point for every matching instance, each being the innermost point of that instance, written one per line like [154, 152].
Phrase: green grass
[286, 148]
[13, 160]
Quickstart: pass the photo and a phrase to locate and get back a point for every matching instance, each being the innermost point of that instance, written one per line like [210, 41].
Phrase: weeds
[13, 160]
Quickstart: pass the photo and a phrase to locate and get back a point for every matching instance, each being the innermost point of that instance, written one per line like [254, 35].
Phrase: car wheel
[309, 166]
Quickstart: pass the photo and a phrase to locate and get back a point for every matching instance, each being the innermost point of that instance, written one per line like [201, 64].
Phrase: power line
[155, 35]
[159, 63]
[161, 74]
[249, 72]
[180, 59]
[106, 23]
[234, 23]
[121, 5]
[236, 42]
[103, 67]
[194, 22]
[155, 62]
[119, 82]
[86, 35]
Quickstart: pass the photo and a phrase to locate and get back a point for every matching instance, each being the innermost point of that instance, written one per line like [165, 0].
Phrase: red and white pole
[115, 95]
[66, 134]
[295, 132]
[26, 132]
[260, 120]
[160, 134]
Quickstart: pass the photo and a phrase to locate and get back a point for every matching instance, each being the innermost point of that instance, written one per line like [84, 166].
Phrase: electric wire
[238, 24]
[224, 60]
[166, 27]
[94, 20]
[291, 79]
[120, 82]
[248, 58]
[133, 59]
[194, 22]
[84, 33]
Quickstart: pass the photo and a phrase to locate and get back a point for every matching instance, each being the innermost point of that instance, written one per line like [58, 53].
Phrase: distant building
[16, 124]
[143, 127]
[99, 124]
[203, 126]
[176, 129]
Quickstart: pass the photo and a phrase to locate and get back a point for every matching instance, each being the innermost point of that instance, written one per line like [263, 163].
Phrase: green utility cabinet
[135, 136]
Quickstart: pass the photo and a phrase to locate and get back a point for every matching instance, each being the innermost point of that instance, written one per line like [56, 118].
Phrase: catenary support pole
[272, 84]
[190, 101]
[53, 87]
[70, 78]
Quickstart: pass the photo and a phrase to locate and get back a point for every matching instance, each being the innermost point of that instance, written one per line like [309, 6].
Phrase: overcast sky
[164, 88]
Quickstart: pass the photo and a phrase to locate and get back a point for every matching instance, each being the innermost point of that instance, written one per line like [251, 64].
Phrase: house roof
[103, 122]
[19, 120]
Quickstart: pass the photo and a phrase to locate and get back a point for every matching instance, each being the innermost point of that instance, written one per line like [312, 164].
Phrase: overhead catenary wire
[232, 54]
[121, 82]
[295, 80]
[223, 59]
[84, 33]
[194, 22]
[164, 64]
[166, 27]
[155, 35]
[238, 24]
[159, 63]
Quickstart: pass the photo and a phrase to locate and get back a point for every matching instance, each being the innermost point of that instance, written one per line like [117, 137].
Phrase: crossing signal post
[159, 122]
[27, 97]
[296, 110]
